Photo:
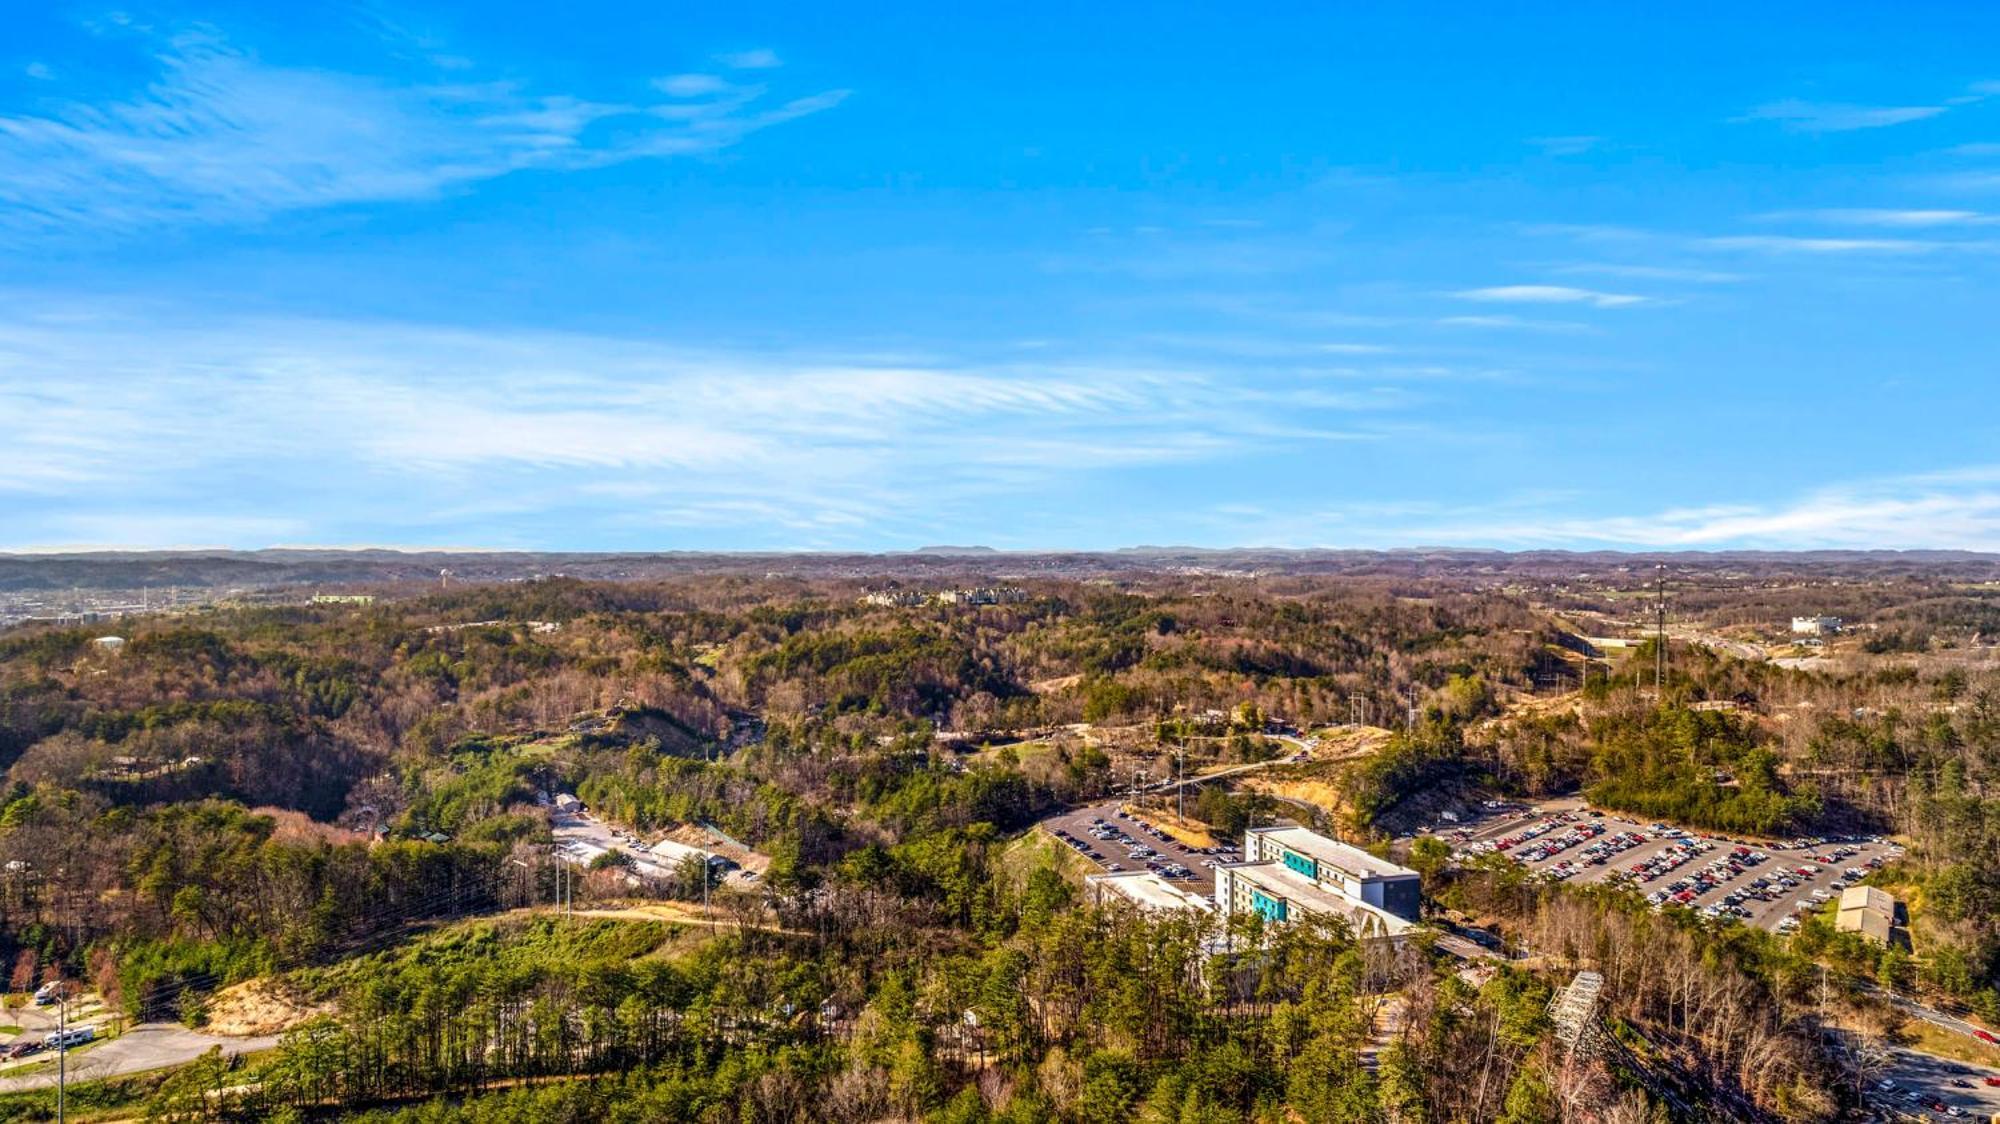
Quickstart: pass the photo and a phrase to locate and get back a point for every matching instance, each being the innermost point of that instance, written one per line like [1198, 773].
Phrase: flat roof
[1147, 890]
[1310, 895]
[674, 850]
[581, 850]
[1349, 859]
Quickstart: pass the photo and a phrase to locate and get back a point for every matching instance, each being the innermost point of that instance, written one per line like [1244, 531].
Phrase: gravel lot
[144, 1047]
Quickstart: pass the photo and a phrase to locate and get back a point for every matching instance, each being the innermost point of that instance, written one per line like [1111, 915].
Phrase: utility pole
[1180, 782]
[62, 1051]
[1660, 638]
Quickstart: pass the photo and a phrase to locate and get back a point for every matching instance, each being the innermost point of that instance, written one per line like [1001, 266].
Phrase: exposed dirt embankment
[259, 1007]
[1347, 743]
[1189, 831]
[1322, 792]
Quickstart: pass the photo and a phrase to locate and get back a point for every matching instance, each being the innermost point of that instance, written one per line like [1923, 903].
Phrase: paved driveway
[143, 1047]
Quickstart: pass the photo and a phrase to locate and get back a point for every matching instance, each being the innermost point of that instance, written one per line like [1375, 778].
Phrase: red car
[1984, 1036]
[1993, 1081]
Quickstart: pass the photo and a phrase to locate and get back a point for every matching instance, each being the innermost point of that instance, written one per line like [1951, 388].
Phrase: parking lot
[1084, 830]
[1760, 882]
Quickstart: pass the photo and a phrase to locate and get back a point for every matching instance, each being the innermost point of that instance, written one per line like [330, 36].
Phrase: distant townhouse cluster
[910, 598]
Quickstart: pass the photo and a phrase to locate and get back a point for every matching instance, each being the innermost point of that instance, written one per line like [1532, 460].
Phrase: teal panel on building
[1302, 864]
[1272, 909]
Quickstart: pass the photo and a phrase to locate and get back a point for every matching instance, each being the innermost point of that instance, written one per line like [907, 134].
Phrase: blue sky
[643, 276]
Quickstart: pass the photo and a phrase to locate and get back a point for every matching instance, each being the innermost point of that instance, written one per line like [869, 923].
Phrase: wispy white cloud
[1779, 244]
[1597, 232]
[1653, 272]
[1551, 294]
[1516, 323]
[1835, 117]
[111, 530]
[1888, 217]
[761, 58]
[419, 422]
[219, 135]
[690, 85]
[1566, 146]
[1900, 513]
[1955, 510]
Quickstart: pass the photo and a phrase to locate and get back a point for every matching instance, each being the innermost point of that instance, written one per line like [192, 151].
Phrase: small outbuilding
[1870, 911]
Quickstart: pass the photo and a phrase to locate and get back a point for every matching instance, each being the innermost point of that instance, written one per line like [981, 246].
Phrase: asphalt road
[1077, 823]
[1930, 1015]
[1303, 748]
[1932, 1079]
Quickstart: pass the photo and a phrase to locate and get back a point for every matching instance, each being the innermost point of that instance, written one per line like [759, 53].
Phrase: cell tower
[1573, 1010]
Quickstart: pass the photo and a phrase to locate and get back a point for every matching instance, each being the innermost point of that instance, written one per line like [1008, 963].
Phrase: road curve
[144, 1047]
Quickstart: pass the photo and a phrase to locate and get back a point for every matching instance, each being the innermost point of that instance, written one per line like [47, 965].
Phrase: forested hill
[293, 793]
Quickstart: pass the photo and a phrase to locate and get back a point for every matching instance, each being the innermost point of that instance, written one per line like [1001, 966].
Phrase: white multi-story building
[1815, 626]
[1290, 871]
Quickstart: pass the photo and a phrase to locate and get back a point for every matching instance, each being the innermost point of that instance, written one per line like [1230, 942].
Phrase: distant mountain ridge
[311, 566]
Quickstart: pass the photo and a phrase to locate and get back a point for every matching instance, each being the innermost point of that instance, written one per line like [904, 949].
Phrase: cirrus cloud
[1838, 117]
[221, 136]
[1551, 294]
